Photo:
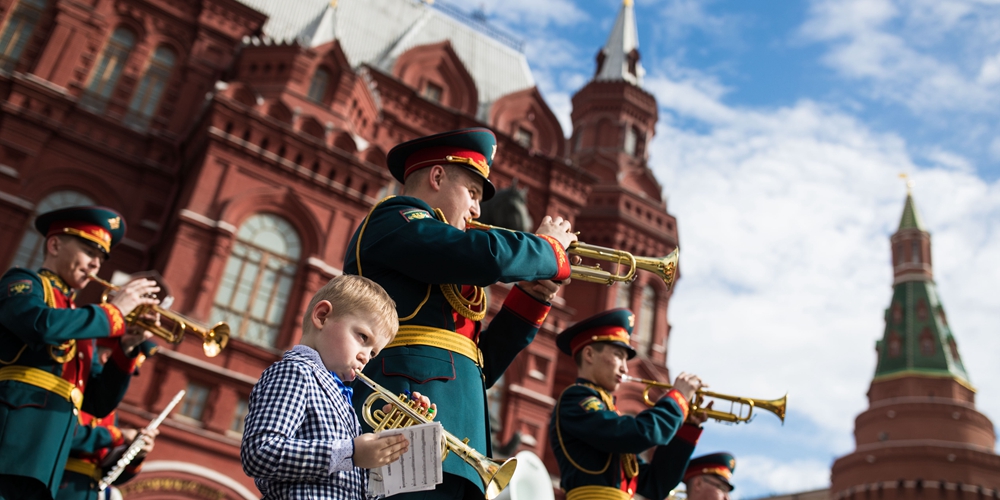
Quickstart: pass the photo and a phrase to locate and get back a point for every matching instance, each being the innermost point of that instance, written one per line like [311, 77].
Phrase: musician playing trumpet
[301, 438]
[417, 247]
[47, 345]
[596, 446]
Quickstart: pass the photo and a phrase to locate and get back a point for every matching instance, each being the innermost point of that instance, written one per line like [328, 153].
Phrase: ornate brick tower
[921, 436]
[614, 119]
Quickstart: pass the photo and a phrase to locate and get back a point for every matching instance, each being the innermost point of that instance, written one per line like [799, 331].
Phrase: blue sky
[783, 128]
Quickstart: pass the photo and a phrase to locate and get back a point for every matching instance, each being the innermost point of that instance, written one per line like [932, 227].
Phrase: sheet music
[419, 469]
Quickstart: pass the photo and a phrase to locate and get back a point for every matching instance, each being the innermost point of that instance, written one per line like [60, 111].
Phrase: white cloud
[906, 51]
[775, 477]
[785, 217]
[534, 13]
[989, 73]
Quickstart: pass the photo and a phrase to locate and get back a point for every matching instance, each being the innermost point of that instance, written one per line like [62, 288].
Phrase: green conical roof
[911, 218]
[917, 338]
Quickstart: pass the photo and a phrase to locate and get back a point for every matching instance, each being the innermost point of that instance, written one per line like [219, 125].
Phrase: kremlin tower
[921, 436]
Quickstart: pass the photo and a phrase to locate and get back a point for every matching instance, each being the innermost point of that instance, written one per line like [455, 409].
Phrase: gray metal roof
[623, 39]
[377, 32]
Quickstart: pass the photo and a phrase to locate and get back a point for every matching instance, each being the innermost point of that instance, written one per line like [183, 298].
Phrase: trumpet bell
[664, 267]
[501, 476]
[494, 474]
[775, 406]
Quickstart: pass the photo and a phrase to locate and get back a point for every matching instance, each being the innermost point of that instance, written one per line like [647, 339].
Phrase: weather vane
[909, 182]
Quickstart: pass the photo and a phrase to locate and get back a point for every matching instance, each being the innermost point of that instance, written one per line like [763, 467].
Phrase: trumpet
[494, 474]
[741, 409]
[171, 326]
[627, 264]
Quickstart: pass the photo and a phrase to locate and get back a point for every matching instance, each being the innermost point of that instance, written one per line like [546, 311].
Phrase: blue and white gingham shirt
[298, 441]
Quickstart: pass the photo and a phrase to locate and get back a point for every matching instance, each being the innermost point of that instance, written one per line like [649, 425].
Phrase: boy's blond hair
[352, 294]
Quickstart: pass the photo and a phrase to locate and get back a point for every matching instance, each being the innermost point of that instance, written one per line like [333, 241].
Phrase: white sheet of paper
[419, 469]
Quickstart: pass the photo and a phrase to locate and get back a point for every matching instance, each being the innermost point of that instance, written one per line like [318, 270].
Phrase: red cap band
[89, 232]
[443, 155]
[602, 334]
[718, 470]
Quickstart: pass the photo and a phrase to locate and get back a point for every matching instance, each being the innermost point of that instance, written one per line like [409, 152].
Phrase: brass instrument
[736, 413]
[494, 474]
[172, 325]
[664, 267]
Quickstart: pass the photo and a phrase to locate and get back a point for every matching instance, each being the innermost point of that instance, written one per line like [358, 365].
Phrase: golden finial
[628, 3]
[333, 3]
[909, 182]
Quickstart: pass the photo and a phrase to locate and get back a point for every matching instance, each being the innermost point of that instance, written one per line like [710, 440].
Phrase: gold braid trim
[630, 463]
[473, 309]
[70, 345]
[563, 446]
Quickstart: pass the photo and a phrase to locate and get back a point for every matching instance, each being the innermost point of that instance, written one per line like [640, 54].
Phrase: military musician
[47, 346]
[596, 446]
[416, 246]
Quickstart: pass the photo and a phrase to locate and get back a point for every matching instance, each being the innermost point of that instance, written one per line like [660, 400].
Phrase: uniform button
[80, 383]
[80, 355]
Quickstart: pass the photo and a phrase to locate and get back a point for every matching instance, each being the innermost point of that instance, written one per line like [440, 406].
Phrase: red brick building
[245, 140]
[921, 436]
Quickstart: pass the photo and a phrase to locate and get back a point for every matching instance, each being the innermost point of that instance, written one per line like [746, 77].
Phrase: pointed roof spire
[323, 29]
[911, 218]
[619, 59]
[917, 340]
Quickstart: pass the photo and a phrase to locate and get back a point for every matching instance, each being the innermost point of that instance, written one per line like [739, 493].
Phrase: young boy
[302, 438]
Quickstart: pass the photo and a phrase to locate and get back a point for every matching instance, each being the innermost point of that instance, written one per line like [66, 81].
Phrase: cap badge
[114, 222]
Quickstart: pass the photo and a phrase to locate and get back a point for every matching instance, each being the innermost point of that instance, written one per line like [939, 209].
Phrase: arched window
[108, 69]
[31, 251]
[643, 334]
[631, 138]
[915, 252]
[927, 343]
[18, 31]
[895, 345]
[257, 280]
[317, 88]
[623, 295]
[150, 90]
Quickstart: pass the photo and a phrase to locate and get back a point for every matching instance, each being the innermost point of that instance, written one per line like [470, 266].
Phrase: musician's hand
[558, 228]
[687, 384]
[543, 290]
[372, 450]
[425, 402]
[701, 416]
[148, 436]
[134, 294]
[132, 338]
[416, 396]
[129, 435]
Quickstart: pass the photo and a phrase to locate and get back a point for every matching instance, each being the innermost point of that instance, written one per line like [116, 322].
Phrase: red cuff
[678, 398]
[134, 468]
[689, 433]
[116, 435]
[115, 319]
[528, 308]
[562, 260]
[122, 360]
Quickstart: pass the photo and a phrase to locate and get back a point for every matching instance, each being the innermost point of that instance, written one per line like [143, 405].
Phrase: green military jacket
[407, 250]
[591, 440]
[39, 326]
